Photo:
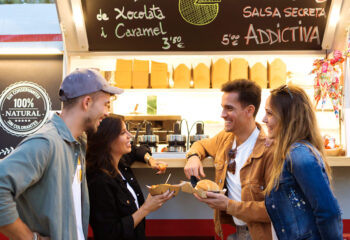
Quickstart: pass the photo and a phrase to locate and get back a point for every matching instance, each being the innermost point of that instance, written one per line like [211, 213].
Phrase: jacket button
[127, 201]
[283, 230]
[137, 194]
[273, 206]
[131, 179]
[126, 169]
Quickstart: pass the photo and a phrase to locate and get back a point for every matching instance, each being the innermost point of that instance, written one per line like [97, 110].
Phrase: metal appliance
[176, 142]
[199, 133]
[149, 139]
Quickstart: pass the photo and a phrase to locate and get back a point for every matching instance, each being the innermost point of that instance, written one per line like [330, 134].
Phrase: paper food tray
[162, 188]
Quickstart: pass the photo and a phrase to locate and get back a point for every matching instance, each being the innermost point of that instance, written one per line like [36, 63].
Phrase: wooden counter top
[177, 160]
[339, 161]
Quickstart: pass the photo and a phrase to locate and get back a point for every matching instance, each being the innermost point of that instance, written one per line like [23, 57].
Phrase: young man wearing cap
[43, 190]
[242, 162]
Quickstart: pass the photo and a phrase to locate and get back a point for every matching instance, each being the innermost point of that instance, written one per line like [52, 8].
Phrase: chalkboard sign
[205, 25]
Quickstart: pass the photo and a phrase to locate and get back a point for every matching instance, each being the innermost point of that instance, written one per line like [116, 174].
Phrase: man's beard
[90, 128]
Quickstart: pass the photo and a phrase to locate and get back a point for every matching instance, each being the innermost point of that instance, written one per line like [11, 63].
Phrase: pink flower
[324, 67]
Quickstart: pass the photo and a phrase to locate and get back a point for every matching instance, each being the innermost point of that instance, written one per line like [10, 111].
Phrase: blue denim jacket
[303, 206]
[36, 182]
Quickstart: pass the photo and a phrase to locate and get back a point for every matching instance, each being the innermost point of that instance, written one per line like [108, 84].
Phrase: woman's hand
[158, 165]
[153, 203]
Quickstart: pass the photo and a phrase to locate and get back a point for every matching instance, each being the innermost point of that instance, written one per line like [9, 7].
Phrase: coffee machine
[149, 139]
[176, 141]
[159, 126]
[199, 133]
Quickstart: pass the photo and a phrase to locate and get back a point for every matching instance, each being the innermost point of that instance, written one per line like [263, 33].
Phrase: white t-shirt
[131, 190]
[233, 181]
[76, 188]
[274, 236]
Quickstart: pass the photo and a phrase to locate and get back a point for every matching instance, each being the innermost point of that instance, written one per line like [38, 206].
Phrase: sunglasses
[231, 167]
[284, 88]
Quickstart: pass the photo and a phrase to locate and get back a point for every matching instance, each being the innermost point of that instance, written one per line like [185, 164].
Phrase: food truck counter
[178, 160]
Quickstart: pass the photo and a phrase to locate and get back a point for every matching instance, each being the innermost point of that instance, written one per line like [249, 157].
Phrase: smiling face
[121, 145]
[97, 111]
[270, 119]
[232, 112]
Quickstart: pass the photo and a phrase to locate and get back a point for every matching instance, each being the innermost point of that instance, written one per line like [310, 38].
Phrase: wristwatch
[36, 236]
[191, 155]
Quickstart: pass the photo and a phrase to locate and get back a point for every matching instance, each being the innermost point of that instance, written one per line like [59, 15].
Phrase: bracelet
[191, 155]
[147, 158]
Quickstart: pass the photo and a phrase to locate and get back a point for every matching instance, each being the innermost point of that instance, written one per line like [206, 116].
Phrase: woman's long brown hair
[98, 154]
[296, 123]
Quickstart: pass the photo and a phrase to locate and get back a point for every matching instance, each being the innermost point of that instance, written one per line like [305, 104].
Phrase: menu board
[205, 25]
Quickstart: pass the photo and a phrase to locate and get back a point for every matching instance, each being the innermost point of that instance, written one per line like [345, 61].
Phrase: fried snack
[162, 167]
[162, 188]
[207, 185]
[333, 151]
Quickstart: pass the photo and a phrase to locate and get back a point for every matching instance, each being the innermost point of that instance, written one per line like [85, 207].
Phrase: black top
[112, 204]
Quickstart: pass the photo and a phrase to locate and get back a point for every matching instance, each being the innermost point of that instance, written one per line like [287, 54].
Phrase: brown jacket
[254, 177]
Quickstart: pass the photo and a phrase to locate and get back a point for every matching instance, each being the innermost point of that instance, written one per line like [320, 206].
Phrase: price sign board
[205, 25]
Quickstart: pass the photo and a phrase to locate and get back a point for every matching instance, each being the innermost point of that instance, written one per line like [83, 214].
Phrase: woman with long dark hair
[117, 206]
[299, 199]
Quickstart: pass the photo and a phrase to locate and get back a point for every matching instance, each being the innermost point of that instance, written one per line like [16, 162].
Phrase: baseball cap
[83, 81]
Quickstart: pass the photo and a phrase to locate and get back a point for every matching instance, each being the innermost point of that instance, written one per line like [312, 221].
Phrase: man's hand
[215, 200]
[194, 167]
[18, 230]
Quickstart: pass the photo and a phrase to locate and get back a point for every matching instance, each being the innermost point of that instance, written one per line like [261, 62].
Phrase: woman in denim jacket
[299, 199]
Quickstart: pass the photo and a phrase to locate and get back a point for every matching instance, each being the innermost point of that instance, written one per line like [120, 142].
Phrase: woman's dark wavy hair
[98, 155]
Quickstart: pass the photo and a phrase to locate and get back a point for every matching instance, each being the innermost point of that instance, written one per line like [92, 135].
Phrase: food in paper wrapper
[331, 148]
[333, 152]
[207, 185]
[162, 188]
[202, 188]
[162, 167]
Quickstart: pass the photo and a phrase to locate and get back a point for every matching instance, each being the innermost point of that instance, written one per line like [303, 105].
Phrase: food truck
[172, 57]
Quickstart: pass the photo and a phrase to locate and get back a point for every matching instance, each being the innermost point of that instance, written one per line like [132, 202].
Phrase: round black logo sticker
[24, 108]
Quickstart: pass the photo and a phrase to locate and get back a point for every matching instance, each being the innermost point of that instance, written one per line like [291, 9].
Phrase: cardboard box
[182, 76]
[140, 74]
[123, 74]
[201, 76]
[159, 75]
[220, 73]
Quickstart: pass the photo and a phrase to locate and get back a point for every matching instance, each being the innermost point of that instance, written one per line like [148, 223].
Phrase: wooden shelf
[177, 160]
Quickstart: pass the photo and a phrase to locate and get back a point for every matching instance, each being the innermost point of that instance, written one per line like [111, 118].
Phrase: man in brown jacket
[242, 162]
